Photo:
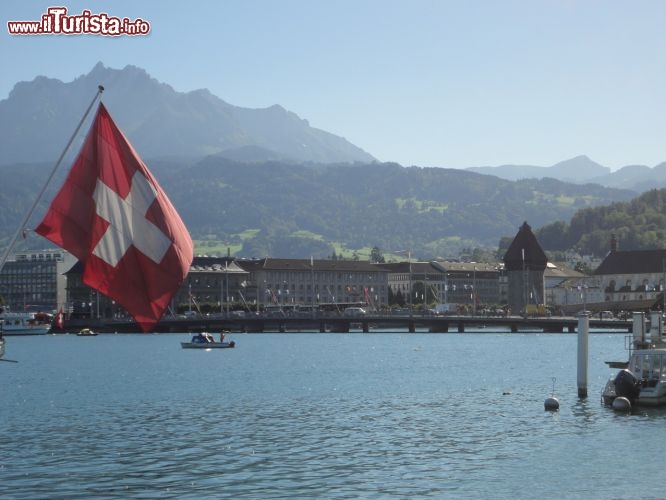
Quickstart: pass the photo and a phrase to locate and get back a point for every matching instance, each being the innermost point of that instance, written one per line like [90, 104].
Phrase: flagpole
[27, 216]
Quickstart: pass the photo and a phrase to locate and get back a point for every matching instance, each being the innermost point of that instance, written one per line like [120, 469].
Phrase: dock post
[638, 329]
[583, 337]
[412, 327]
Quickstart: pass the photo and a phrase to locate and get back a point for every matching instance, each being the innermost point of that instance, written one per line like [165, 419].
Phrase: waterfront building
[471, 285]
[331, 284]
[474, 285]
[567, 290]
[84, 302]
[414, 282]
[213, 284]
[632, 279]
[34, 280]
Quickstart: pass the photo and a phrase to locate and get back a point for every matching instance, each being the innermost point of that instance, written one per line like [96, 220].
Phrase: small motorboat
[206, 341]
[86, 332]
[641, 381]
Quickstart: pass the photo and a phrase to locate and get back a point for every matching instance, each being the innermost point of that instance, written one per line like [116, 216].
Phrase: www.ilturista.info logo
[57, 22]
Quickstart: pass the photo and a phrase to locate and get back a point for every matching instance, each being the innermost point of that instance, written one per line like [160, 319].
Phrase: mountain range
[39, 116]
[289, 210]
[583, 170]
[262, 182]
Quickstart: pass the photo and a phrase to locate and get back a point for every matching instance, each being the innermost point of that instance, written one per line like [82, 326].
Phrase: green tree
[376, 255]
[583, 267]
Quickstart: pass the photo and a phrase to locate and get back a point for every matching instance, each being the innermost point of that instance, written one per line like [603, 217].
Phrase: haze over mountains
[39, 116]
[583, 170]
[264, 183]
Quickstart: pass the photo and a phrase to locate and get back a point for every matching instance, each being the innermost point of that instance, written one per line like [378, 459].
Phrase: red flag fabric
[115, 218]
[60, 319]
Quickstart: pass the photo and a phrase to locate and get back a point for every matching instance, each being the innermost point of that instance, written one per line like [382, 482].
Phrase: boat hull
[25, 323]
[642, 380]
[648, 396]
[40, 330]
[208, 345]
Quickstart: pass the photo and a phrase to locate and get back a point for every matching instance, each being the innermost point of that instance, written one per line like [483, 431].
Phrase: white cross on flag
[114, 217]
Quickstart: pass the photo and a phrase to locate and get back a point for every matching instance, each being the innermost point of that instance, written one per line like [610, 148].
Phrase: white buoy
[551, 403]
[621, 404]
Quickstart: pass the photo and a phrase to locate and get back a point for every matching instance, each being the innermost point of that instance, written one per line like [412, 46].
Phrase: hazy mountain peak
[578, 169]
[37, 117]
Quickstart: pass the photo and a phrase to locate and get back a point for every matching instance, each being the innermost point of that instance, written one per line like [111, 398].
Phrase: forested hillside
[639, 224]
[287, 210]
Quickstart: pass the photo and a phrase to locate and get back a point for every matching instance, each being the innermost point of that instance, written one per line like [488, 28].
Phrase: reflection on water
[316, 416]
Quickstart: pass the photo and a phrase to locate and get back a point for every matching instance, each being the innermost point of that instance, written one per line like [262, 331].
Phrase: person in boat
[221, 337]
[203, 338]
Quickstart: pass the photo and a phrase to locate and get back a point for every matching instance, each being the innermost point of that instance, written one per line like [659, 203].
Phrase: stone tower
[525, 262]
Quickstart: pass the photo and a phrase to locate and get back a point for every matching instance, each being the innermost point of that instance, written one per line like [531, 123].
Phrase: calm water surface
[377, 415]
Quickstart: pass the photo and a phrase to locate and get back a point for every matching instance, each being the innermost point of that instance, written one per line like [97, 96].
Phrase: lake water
[379, 415]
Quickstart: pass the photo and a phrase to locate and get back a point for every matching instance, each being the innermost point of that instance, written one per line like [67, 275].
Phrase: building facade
[471, 285]
[214, 284]
[222, 284]
[315, 283]
[632, 280]
[35, 280]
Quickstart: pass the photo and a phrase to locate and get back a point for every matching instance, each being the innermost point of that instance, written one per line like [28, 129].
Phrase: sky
[442, 83]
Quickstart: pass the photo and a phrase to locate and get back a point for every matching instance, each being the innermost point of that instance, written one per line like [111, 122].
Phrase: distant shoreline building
[35, 280]
[48, 280]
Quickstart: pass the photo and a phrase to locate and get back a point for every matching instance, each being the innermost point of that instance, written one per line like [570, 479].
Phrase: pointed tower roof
[525, 247]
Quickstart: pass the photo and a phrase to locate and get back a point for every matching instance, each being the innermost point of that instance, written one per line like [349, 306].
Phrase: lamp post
[425, 292]
[409, 260]
[474, 291]
[312, 296]
[226, 284]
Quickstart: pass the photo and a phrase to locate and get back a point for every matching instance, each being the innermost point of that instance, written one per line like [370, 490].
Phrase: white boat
[25, 323]
[640, 381]
[86, 332]
[206, 341]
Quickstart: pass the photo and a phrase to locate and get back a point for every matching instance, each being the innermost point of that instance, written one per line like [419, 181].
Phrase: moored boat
[640, 381]
[86, 332]
[206, 341]
[25, 323]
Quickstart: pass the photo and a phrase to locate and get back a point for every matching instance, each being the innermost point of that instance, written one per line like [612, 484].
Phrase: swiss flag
[60, 319]
[114, 217]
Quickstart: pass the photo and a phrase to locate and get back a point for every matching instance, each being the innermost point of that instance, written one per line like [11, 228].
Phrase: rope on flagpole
[27, 216]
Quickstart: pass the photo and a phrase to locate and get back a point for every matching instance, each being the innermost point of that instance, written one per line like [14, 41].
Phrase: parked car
[354, 312]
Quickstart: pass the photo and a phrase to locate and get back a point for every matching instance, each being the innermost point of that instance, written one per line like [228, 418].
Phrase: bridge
[367, 323]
